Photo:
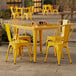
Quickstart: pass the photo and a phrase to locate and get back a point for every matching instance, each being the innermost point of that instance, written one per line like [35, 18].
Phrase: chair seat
[22, 37]
[55, 43]
[58, 42]
[54, 38]
[20, 42]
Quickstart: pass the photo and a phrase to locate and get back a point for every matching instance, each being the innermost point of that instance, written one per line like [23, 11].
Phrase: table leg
[34, 44]
[40, 38]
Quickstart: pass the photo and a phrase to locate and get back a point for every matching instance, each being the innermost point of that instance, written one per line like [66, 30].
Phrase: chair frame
[16, 45]
[59, 44]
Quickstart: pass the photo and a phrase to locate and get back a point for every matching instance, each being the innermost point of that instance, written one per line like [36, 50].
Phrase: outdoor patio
[37, 24]
[40, 68]
[24, 67]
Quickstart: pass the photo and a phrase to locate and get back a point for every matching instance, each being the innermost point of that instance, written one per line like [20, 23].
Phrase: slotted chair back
[12, 10]
[66, 32]
[32, 9]
[7, 28]
[16, 9]
[15, 22]
[45, 7]
[65, 22]
[50, 7]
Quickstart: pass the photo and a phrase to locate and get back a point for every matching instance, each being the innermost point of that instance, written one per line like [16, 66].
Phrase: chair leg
[26, 17]
[45, 48]
[15, 54]
[11, 50]
[66, 51]
[59, 51]
[20, 52]
[57, 11]
[55, 52]
[29, 53]
[69, 55]
[7, 53]
[29, 40]
[51, 12]
[30, 16]
[47, 12]
[62, 55]
[30, 45]
[43, 12]
[46, 53]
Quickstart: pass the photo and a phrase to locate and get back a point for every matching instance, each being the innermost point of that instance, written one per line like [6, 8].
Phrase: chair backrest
[50, 7]
[7, 28]
[12, 10]
[45, 7]
[66, 32]
[32, 9]
[16, 9]
[65, 22]
[15, 22]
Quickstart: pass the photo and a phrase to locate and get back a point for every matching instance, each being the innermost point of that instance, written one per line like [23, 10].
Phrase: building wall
[67, 4]
[2, 4]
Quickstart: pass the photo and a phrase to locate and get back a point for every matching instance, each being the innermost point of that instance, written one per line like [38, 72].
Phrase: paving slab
[25, 67]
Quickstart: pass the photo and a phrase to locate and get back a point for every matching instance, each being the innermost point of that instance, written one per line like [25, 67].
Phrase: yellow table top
[31, 27]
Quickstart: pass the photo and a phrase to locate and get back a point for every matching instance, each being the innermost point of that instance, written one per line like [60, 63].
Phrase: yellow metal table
[35, 29]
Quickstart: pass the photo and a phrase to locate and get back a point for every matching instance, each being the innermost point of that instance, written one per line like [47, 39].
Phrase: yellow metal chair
[60, 43]
[32, 9]
[27, 13]
[13, 13]
[50, 8]
[16, 45]
[54, 38]
[56, 10]
[28, 38]
[45, 9]
[17, 11]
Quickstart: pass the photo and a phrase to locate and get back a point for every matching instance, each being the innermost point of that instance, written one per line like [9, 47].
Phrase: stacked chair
[24, 12]
[45, 10]
[27, 13]
[13, 13]
[49, 8]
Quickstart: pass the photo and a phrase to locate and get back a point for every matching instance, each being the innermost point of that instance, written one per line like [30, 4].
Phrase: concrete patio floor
[25, 68]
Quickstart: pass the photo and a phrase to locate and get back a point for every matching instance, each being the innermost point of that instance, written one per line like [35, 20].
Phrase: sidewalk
[25, 68]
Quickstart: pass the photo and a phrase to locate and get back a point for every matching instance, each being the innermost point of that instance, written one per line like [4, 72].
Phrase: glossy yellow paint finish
[35, 29]
[45, 10]
[50, 8]
[56, 37]
[58, 43]
[16, 45]
[26, 12]
[21, 37]
[13, 13]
